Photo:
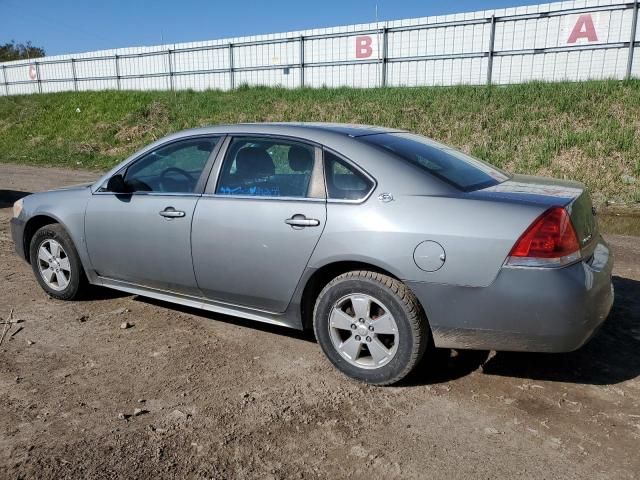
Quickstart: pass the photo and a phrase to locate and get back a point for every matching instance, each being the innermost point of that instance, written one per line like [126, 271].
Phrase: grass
[584, 131]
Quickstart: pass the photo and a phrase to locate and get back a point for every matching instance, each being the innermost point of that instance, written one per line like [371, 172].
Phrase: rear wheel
[56, 263]
[371, 327]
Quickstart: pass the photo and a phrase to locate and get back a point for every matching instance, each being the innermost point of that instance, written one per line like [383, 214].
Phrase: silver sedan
[383, 242]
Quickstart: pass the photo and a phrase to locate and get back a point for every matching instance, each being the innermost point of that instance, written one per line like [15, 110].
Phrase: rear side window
[456, 168]
[265, 167]
[344, 182]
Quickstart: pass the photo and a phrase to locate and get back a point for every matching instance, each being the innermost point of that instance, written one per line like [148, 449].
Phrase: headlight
[17, 208]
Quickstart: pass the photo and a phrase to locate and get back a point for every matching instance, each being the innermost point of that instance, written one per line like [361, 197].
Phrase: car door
[259, 221]
[142, 233]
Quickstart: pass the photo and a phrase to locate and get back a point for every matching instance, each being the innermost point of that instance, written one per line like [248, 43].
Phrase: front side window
[344, 182]
[456, 168]
[266, 167]
[174, 168]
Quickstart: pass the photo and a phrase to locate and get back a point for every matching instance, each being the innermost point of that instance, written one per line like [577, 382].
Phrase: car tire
[56, 264]
[346, 315]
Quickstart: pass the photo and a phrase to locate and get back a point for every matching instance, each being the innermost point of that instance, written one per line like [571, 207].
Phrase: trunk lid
[550, 192]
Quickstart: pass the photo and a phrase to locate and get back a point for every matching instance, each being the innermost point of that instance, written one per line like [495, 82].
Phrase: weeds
[584, 131]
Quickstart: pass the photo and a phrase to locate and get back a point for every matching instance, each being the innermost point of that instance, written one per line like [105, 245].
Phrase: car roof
[303, 129]
[349, 129]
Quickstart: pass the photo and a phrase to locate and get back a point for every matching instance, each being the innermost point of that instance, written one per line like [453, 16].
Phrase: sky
[65, 26]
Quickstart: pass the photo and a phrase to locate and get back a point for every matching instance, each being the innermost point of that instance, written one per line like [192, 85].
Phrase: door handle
[300, 220]
[171, 212]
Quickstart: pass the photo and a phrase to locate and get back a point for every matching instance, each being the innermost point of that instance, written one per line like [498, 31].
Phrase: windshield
[456, 168]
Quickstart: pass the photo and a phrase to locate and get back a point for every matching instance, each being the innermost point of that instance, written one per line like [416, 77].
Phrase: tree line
[19, 51]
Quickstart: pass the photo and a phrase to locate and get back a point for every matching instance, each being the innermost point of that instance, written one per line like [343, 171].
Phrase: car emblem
[587, 238]
[385, 197]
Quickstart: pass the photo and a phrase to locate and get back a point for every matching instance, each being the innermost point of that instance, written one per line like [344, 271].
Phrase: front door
[143, 236]
[255, 230]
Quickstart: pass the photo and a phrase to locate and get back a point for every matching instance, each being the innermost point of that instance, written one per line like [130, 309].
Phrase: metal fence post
[171, 87]
[38, 77]
[492, 40]
[632, 40]
[73, 72]
[383, 60]
[232, 82]
[117, 72]
[301, 55]
[4, 78]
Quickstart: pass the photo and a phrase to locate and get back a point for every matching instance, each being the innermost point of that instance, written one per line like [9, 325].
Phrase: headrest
[254, 162]
[300, 159]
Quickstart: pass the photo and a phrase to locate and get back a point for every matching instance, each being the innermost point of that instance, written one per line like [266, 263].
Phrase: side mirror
[116, 184]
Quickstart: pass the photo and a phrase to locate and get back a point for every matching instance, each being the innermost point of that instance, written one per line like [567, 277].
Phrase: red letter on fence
[363, 47]
[583, 29]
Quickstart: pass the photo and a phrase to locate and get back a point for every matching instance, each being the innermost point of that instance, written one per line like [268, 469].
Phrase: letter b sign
[363, 46]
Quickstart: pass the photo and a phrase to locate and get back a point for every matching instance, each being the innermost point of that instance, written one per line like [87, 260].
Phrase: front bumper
[17, 234]
[524, 309]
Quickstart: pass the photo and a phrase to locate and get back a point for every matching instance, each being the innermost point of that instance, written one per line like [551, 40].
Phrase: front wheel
[371, 327]
[56, 263]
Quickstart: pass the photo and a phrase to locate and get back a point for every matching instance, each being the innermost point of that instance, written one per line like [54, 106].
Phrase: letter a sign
[583, 28]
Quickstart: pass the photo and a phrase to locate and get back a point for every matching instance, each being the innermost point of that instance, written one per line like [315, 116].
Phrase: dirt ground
[227, 398]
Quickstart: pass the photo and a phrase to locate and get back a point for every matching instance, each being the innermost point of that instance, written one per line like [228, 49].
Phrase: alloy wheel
[54, 265]
[363, 331]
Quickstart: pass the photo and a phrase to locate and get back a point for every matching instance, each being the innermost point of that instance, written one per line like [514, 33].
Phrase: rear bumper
[524, 309]
[17, 235]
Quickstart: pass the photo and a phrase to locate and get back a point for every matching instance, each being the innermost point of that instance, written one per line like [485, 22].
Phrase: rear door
[259, 221]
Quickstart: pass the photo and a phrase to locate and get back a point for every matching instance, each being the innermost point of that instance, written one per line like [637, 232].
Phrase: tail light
[550, 241]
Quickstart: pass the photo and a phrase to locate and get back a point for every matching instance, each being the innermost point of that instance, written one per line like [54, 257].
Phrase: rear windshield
[456, 168]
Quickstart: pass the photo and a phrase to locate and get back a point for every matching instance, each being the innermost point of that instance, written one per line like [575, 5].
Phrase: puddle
[618, 224]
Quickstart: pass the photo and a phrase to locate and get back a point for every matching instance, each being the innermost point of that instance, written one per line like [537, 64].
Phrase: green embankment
[584, 131]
